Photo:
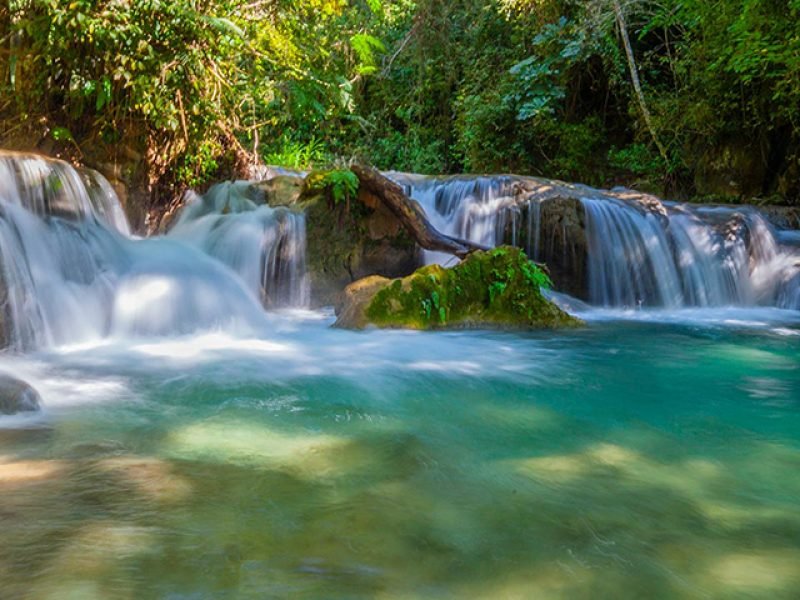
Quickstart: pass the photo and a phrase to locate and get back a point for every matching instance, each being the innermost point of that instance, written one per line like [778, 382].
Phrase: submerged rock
[17, 396]
[498, 288]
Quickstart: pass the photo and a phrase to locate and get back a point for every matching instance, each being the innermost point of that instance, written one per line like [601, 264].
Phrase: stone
[17, 396]
[281, 190]
[495, 289]
[347, 243]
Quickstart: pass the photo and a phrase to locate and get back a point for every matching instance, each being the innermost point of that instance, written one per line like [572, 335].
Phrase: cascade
[686, 256]
[265, 246]
[70, 272]
[471, 208]
[637, 254]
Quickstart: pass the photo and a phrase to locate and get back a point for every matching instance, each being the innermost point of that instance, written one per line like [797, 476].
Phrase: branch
[409, 213]
[637, 85]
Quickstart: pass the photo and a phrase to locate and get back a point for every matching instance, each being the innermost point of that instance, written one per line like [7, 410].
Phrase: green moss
[499, 288]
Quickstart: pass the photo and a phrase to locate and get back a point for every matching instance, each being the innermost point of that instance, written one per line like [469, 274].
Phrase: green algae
[497, 288]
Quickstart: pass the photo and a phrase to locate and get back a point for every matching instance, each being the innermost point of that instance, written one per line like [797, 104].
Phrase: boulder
[559, 239]
[351, 313]
[347, 241]
[280, 190]
[497, 289]
[17, 396]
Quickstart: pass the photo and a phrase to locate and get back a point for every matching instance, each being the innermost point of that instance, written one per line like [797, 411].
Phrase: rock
[735, 169]
[498, 289]
[350, 239]
[561, 232]
[281, 190]
[563, 245]
[347, 244]
[352, 308]
[17, 396]
[782, 217]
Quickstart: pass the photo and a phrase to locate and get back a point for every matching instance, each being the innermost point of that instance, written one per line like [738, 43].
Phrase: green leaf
[223, 25]
[375, 6]
[103, 94]
[61, 134]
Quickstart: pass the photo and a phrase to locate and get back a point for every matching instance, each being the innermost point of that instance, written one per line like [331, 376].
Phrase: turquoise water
[647, 458]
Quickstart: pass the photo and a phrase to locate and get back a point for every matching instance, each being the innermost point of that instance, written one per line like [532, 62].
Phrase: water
[72, 272]
[470, 208]
[193, 445]
[265, 246]
[684, 256]
[638, 251]
[627, 460]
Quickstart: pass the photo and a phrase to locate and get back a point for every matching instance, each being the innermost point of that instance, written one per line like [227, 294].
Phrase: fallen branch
[410, 215]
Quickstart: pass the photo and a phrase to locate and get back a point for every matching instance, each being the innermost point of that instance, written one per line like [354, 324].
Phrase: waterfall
[265, 246]
[70, 271]
[629, 258]
[637, 253]
[471, 208]
[60, 246]
[686, 256]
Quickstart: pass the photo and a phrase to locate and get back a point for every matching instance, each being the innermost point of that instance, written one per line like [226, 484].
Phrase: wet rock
[645, 203]
[551, 225]
[348, 243]
[496, 289]
[735, 229]
[563, 245]
[280, 190]
[17, 396]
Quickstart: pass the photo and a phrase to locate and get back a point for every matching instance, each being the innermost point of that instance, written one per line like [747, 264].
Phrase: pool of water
[651, 457]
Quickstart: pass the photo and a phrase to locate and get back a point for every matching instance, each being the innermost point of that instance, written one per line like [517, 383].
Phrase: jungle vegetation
[693, 98]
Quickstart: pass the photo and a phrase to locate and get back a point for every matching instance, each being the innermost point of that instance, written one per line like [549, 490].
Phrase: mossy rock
[349, 240]
[281, 190]
[498, 289]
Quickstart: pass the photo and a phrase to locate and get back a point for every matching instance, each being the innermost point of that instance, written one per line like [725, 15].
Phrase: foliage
[193, 84]
[432, 86]
[636, 158]
[340, 185]
[540, 86]
[298, 155]
[343, 185]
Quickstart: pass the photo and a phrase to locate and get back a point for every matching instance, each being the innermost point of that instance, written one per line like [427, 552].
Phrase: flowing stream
[192, 444]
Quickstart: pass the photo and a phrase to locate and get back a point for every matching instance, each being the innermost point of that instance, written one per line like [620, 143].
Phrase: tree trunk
[637, 85]
[409, 213]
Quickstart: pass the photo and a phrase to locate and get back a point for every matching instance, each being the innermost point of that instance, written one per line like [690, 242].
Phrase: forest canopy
[696, 98]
